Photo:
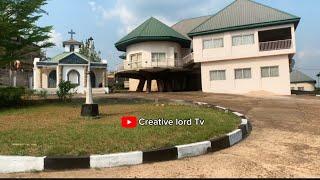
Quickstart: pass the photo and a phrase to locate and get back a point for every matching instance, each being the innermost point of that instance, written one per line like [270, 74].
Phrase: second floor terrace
[157, 60]
[267, 41]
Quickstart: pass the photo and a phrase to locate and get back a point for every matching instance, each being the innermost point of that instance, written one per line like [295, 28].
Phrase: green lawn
[57, 129]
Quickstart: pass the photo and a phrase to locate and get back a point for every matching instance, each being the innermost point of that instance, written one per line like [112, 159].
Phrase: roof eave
[248, 26]
[314, 81]
[122, 45]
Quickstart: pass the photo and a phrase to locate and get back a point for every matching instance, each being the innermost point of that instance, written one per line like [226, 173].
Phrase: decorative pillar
[149, 81]
[59, 74]
[40, 77]
[104, 79]
[141, 85]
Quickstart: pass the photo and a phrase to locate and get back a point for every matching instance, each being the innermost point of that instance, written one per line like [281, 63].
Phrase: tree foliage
[19, 33]
[85, 50]
[65, 91]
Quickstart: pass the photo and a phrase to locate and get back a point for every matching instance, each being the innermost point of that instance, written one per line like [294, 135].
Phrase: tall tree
[94, 55]
[19, 33]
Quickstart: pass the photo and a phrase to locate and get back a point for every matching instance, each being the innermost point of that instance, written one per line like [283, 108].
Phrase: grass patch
[57, 129]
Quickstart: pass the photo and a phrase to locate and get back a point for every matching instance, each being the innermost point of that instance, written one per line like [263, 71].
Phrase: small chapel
[71, 66]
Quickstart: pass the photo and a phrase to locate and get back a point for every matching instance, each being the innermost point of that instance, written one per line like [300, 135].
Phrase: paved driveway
[285, 142]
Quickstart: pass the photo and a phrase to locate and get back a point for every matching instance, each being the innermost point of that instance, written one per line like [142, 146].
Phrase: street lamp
[89, 109]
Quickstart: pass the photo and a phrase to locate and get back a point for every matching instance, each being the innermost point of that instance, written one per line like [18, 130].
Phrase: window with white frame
[212, 43]
[217, 75]
[136, 57]
[242, 39]
[158, 57]
[270, 71]
[244, 73]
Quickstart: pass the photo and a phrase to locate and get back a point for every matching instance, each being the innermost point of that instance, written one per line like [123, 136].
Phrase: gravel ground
[285, 142]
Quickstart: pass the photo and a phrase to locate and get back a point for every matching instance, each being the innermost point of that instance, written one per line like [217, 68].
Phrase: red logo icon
[129, 122]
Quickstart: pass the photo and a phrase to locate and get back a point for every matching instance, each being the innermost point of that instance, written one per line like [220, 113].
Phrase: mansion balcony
[276, 39]
[148, 64]
[275, 45]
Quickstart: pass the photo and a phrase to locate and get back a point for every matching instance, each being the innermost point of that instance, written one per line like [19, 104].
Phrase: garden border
[14, 164]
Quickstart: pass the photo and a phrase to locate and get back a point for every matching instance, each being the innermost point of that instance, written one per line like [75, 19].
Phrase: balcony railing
[188, 58]
[166, 63]
[275, 45]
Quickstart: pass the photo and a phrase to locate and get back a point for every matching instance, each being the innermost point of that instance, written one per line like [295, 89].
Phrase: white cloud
[120, 11]
[132, 13]
[57, 39]
[304, 54]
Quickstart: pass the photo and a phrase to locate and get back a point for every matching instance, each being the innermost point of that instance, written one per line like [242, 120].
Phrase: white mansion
[243, 48]
[69, 66]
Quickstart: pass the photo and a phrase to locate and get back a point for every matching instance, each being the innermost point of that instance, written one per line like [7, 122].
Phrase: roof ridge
[185, 19]
[273, 8]
[214, 15]
[168, 27]
[145, 25]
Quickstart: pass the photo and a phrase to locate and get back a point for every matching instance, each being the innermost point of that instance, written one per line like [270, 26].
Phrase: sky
[109, 20]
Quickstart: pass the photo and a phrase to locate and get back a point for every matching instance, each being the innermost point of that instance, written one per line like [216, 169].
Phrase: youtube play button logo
[129, 122]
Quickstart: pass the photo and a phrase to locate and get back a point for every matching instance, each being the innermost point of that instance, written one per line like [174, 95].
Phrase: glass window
[207, 44]
[175, 55]
[238, 74]
[218, 75]
[236, 40]
[274, 71]
[213, 43]
[242, 40]
[74, 77]
[243, 73]
[271, 71]
[301, 88]
[136, 57]
[157, 57]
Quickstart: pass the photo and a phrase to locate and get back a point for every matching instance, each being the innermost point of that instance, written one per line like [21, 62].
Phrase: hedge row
[11, 96]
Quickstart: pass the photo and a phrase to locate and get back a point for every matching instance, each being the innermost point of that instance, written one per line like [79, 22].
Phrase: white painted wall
[306, 86]
[133, 84]
[229, 52]
[146, 48]
[36, 76]
[67, 48]
[80, 69]
[278, 85]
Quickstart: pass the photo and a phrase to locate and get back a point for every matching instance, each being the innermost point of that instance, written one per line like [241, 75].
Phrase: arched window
[52, 79]
[74, 77]
[93, 79]
[71, 48]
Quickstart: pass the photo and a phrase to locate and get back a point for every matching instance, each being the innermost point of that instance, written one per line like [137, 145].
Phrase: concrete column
[14, 82]
[104, 79]
[40, 77]
[141, 85]
[168, 85]
[59, 74]
[160, 85]
[149, 81]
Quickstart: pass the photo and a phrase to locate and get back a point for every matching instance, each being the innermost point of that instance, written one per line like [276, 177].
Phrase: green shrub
[28, 94]
[65, 92]
[43, 94]
[11, 96]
